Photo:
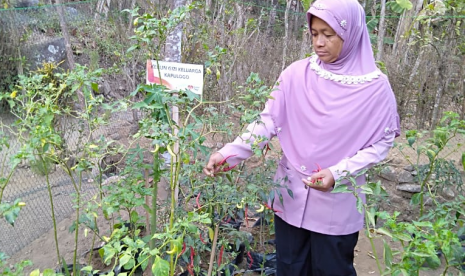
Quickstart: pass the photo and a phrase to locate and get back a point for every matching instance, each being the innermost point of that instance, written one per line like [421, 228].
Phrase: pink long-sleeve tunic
[340, 127]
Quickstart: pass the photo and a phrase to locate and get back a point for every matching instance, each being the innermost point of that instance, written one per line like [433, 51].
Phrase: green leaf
[433, 261]
[394, 6]
[403, 237]
[11, 214]
[48, 119]
[366, 190]
[291, 193]
[359, 205]
[306, 4]
[109, 254]
[94, 87]
[140, 105]
[405, 4]
[431, 154]
[132, 48]
[463, 160]
[124, 259]
[35, 273]
[415, 200]
[341, 189]
[384, 232]
[131, 263]
[48, 272]
[411, 141]
[371, 216]
[423, 224]
[87, 268]
[421, 254]
[372, 24]
[160, 267]
[387, 254]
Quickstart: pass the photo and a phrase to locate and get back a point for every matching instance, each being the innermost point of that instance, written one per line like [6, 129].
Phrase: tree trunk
[439, 92]
[373, 9]
[64, 31]
[286, 33]
[403, 28]
[130, 23]
[295, 19]
[69, 50]
[272, 18]
[239, 16]
[381, 30]
[306, 44]
[462, 86]
[103, 7]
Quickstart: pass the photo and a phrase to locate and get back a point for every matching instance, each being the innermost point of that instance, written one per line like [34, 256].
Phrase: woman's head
[346, 20]
[326, 43]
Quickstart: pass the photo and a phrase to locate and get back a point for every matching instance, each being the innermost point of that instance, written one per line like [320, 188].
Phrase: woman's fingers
[322, 180]
[211, 168]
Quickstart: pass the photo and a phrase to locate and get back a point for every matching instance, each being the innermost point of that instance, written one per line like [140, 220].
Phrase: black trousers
[302, 252]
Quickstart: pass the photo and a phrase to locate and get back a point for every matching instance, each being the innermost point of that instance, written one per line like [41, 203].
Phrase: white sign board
[176, 76]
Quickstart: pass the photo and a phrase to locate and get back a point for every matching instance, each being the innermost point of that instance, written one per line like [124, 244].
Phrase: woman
[335, 109]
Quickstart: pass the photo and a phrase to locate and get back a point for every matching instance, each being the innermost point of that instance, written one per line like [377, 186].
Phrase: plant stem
[49, 188]
[173, 206]
[371, 240]
[93, 243]
[76, 236]
[212, 256]
[153, 219]
[3, 187]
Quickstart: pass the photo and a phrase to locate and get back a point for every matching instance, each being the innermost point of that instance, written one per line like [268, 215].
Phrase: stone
[395, 199]
[26, 3]
[428, 201]
[388, 173]
[405, 177]
[409, 168]
[52, 51]
[448, 193]
[115, 136]
[411, 188]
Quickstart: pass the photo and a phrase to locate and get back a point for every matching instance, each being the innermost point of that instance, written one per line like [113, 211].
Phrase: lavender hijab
[347, 18]
[324, 113]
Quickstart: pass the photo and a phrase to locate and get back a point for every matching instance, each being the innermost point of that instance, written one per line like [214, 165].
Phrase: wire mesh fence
[99, 37]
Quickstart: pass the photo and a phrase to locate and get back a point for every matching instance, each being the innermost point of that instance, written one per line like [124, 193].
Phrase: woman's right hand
[212, 166]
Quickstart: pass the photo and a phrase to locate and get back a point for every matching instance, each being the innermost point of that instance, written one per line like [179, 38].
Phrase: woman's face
[326, 43]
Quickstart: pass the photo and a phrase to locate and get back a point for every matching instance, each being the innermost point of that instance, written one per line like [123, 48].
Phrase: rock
[448, 193]
[388, 173]
[115, 136]
[405, 177]
[409, 168]
[428, 201]
[396, 160]
[49, 51]
[395, 199]
[26, 3]
[411, 188]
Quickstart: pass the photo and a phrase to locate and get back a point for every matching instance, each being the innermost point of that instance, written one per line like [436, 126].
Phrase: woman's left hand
[322, 180]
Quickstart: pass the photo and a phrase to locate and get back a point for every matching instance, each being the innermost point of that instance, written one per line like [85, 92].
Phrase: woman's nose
[320, 40]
